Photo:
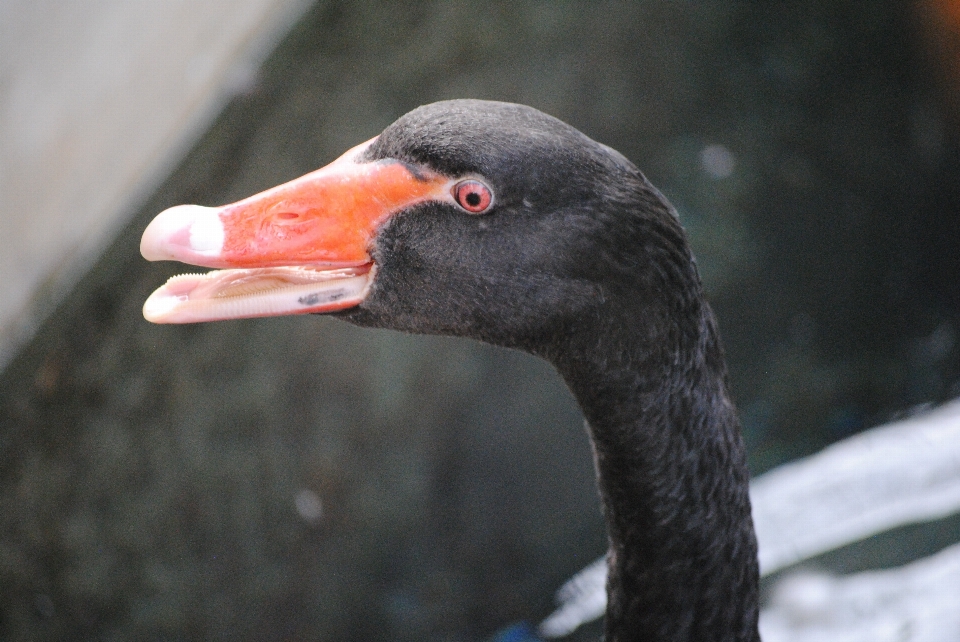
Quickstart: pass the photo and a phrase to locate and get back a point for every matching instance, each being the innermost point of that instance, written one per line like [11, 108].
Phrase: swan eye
[473, 196]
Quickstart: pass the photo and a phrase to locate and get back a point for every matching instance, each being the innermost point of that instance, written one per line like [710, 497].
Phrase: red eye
[473, 196]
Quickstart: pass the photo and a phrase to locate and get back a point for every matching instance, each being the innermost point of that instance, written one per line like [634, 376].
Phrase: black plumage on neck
[673, 483]
[584, 263]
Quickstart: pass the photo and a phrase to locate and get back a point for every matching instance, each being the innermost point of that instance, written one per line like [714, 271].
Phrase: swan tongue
[301, 247]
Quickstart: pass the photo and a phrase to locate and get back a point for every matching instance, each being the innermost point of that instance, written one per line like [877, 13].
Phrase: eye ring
[473, 196]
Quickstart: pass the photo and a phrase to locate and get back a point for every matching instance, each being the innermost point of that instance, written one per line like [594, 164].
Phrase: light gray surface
[902, 473]
[98, 102]
[918, 602]
[905, 472]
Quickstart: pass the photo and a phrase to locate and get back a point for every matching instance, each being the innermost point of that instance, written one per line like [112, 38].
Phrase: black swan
[497, 222]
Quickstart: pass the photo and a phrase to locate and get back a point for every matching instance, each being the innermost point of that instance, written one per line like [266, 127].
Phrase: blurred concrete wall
[99, 99]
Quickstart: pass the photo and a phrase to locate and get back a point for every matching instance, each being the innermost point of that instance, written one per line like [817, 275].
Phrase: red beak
[301, 247]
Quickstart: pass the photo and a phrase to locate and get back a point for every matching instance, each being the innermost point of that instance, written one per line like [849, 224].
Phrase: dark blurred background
[298, 478]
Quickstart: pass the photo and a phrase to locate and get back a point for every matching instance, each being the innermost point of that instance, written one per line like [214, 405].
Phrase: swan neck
[673, 481]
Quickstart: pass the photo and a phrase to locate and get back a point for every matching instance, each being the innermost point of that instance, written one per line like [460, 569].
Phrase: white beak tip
[183, 233]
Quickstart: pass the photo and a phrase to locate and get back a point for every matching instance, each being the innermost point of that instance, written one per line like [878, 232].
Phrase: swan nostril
[288, 216]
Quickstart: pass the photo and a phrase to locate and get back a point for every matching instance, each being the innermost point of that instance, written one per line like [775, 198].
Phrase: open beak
[301, 247]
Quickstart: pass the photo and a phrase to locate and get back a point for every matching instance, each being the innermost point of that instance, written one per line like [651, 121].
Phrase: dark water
[299, 478]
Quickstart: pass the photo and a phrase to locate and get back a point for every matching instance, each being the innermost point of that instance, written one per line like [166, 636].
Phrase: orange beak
[301, 247]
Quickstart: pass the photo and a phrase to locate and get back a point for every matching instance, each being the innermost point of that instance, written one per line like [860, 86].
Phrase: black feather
[583, 262]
